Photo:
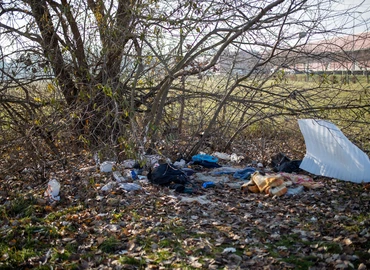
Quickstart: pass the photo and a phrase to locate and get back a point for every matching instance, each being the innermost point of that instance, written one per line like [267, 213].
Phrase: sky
[360, 18]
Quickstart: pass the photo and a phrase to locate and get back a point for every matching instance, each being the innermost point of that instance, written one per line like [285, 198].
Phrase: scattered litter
[180, 164]
[199, 199]
[207, 164]
[208, 178]
[130, 186]
[52, 190]
[107, 166]
[102, 214]
[222, 156]
[134, 175]
[128, 163]
[244, 173]
[236, 158]
[294, 191]
[303, 180]
[266, 183]
[313, 219]
[108, 186]
[99, 198]
[281, 163]
[151, 160]
[205, 160]
[165, 174]
[224, 170]
[277, 191]
[112, 227]
[296, 178]
[208, 184]
[188, 171]
[88, 169]
[235, 185]
[96, 158]
[233, 157]
[204, 157]
[142, 177]
[118, 177]
[237, 173]
[229, 250]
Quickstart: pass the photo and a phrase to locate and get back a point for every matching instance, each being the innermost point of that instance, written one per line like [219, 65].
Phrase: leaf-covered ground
[157, 228]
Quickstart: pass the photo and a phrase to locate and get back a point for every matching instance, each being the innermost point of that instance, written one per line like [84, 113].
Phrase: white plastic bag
[180, 164]
[129, 163]
[107, 166]
[223, 156]
[52, 190]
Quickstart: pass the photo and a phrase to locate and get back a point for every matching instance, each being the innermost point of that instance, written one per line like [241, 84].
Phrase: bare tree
[116, 67]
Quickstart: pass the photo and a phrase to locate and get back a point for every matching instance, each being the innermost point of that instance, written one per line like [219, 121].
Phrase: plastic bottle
[294, 191]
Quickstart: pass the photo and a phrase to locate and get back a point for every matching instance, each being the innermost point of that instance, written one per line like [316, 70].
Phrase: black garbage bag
[290, 166]
[281, 163]
[166, 174]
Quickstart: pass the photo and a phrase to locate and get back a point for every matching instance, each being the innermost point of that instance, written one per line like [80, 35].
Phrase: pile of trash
[203, 171]
[329, 153]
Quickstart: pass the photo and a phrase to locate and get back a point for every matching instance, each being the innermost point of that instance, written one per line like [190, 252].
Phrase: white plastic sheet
[329, 153]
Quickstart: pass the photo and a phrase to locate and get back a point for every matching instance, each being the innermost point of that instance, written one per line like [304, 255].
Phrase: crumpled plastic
[52, 190]
[108, 186]
[130, 186]
[244, 173]
[107, 166]
[204, 157]
[303, 180]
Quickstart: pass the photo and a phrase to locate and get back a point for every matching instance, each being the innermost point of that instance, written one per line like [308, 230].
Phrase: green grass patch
[58, 214]
[21, 207]
[288, 240]
[353, 228]
[162, 255]
[12, 257]
[331, 247]
[290, 243]
[362, 217]
[110, 245]
[167, 243]
[300, 263]
[129, 260]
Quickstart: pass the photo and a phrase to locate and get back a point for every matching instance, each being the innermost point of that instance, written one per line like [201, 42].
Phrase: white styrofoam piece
[329, 152]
